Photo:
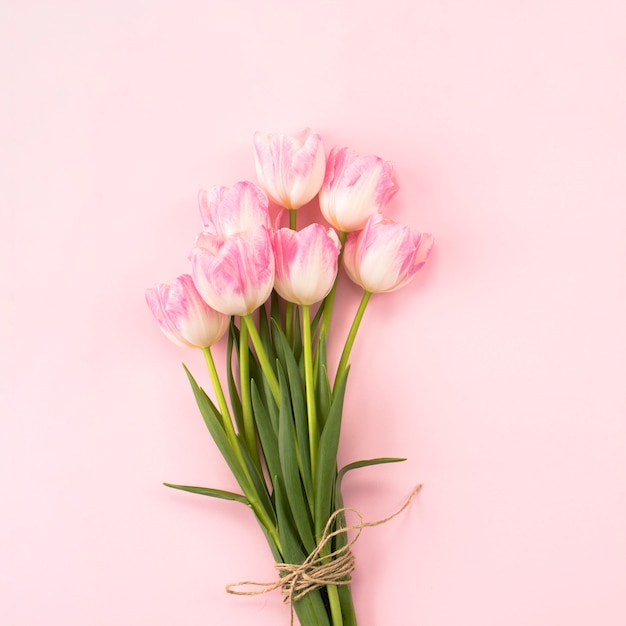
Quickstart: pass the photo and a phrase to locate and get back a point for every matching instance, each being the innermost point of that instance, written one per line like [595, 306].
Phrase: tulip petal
[355, 188]
[290, 169]
[227, 211]
[183, 316]
[306, 263]
[385, 255]
[235, 275]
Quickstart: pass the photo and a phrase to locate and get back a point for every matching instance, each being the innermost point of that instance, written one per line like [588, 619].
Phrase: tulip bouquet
[271, 290]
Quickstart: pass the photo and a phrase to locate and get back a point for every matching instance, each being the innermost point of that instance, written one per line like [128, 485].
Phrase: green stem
[345, 355]
[329, 301]
[221, 398]
[335, 605]
[262, 356]
[292, 218]
[309, 386]
[246, 397]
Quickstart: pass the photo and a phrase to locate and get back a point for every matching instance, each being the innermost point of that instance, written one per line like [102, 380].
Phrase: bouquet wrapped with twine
[270, 290]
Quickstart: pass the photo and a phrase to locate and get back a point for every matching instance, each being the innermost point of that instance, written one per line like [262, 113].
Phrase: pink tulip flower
[306, 263]
[290, 169]
[354, 188]
[227, 211]
[385, 256]
[234, 275]
[184, 316]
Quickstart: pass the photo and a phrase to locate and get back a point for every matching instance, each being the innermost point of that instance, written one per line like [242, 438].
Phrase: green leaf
[267, 434]
[300, 414]
[275, 307]
[297, 336]
[255, 372]
[235, 400]
[237, 458]
[287, 451]
[341, 540]
[326, 473]
[258, 482]
[213, 493]
[293, 550]
[323, 390]
[264, 391]
[311, 609]
[271, 406]
[263, 388]
[347, 606]
[316, 319]
[265, 332]
[247, 476]
[365, 463]
[213, 421]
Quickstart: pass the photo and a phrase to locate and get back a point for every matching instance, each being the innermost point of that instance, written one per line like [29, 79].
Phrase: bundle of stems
[279, 435]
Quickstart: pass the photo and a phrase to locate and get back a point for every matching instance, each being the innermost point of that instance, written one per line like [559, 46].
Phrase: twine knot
[320, 568]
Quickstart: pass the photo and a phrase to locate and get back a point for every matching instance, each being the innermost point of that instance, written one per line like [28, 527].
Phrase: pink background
[499, 372]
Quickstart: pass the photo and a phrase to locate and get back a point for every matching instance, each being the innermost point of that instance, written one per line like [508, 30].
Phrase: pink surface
[499, 371]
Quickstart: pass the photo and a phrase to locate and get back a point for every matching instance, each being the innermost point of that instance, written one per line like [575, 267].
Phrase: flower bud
[354, 188]
[184, 316]
[290, 168]
[385, 256]
[234, 275]
[227, 211]
[306, 263]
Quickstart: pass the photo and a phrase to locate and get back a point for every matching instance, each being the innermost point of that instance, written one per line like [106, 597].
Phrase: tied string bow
[318, 569]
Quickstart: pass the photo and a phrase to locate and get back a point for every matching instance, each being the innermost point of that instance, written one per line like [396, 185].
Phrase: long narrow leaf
[265, 332]
[259, 483]
[293, 550]
[213, 422]
[347, 606]
[316, 319]
[255, 372]
[287, 451]
[275, 307]
[244, 471]
[365, 463]
[297, 337]
[341, 540]
[267, 434]
[310, 609]
[235, 400]
[300, 414]
[265, 393]
[322, 386]
[271, 406]
[213, 493]
[326, 472]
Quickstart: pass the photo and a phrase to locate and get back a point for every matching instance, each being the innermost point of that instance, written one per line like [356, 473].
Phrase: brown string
[318, 569]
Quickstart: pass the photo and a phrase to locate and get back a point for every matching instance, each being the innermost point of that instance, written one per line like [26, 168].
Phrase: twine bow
[318, 569]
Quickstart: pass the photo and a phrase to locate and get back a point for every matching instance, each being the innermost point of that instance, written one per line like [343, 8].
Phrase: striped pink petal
[183, 316]
[385, 255]
[306, 263]
[354, 188]
[227, 211]
[234, 275]
[290, 168]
